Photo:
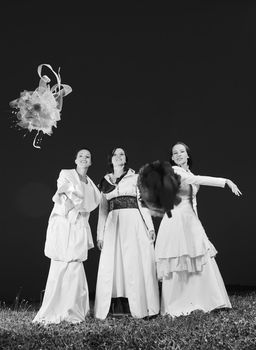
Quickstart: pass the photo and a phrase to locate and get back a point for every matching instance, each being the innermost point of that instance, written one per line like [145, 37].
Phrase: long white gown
[68, 239]
[185, 257]
[127, 261]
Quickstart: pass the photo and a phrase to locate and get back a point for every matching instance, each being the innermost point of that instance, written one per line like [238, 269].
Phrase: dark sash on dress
[122, 202]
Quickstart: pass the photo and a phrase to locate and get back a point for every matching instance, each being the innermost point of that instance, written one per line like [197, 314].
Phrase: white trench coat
[127, 262]
[68, 239]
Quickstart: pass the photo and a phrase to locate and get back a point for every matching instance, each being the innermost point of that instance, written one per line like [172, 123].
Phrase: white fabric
[188, 178]
[181, 242]
[126, 187]
[69, 199]
[68, 239]
[66, 296]
[185, 256]
[127, 262]
[184, 292]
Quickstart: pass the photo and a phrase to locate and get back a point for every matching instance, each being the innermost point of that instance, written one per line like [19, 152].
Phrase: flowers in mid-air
[40, 109]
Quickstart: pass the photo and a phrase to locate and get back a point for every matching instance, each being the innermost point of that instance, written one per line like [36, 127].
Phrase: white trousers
[66, 296]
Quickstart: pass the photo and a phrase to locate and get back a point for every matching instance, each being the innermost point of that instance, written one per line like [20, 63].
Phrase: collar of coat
[107, 186]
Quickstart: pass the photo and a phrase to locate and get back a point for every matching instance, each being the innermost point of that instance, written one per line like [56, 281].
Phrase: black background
[144, 75]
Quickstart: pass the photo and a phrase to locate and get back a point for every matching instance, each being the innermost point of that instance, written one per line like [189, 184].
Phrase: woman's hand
[233, 187]
[100, 244]
[152, 235]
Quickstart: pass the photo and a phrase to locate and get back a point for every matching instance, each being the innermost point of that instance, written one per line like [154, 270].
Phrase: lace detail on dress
[122, 202]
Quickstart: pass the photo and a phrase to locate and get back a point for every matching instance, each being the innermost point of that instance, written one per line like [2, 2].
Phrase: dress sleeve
[145, 214]
[61, 182]
[103, 214]
[67, 200]
[190, 179]
[61, 198]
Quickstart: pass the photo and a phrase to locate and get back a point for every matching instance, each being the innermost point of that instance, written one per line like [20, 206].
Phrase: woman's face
[179, 155]
[119, 158]
[83, 158]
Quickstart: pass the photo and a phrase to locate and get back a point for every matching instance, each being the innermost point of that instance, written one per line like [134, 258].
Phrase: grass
[223, 329]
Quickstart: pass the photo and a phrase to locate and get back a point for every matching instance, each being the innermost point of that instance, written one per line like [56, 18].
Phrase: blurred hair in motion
[158, 186]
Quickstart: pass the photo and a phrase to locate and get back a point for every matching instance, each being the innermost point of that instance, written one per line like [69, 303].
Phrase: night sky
[143, 77]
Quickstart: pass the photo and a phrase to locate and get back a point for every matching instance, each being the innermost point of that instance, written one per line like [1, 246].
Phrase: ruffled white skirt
[186, 265]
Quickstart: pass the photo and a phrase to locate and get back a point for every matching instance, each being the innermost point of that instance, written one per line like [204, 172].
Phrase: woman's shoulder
[67, 171]
[130, 175]
[182, 172]
[107, 178]
[177, 169]
[130, 172]
[105, 184]
[68, 174]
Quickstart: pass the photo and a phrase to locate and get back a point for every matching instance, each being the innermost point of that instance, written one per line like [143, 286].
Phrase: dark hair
[190, 162]
[81, 149]
[110, 155]
[159, 186]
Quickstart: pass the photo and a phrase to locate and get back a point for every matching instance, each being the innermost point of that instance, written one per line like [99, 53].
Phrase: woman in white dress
[68, 239]
[185, 257]
[125, 236]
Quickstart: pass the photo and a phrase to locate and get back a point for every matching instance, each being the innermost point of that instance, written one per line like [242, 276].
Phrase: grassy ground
[222, 329]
